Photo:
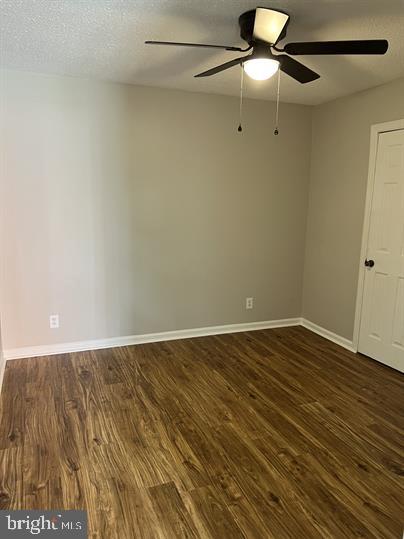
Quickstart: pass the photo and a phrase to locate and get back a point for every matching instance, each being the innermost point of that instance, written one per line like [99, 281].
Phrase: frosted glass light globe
[261, 68]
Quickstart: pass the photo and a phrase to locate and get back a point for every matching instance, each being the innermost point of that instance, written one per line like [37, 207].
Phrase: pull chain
[240, 129]
[276, 132]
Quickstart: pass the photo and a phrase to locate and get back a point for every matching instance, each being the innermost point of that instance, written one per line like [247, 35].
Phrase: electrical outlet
[249, 303]
[54, 321]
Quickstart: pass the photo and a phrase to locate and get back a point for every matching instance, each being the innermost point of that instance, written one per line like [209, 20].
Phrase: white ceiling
[104, 39]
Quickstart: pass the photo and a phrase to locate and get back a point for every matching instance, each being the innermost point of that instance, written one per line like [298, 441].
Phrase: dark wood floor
[268, 434]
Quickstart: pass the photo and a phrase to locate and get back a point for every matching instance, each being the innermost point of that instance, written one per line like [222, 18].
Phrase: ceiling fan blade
[295, 69]
[367, 46]
[269, 25]
[220, 68]
[175, 44]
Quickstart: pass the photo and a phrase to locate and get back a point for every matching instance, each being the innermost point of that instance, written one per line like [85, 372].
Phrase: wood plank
[268, 434]
[171, 512]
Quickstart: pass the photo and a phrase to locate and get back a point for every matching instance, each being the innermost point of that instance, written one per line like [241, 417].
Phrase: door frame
[375, 130]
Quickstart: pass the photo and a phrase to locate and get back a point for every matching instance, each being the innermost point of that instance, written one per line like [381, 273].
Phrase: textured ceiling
[104, 39]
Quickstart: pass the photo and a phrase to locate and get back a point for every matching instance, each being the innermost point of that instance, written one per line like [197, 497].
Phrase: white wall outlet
[249, 303]
[54, 321]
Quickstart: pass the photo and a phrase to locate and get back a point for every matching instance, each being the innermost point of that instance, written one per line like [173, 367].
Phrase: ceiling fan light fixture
[261, 68]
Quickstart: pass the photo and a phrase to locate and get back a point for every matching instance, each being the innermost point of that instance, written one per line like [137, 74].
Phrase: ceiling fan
[262, 29]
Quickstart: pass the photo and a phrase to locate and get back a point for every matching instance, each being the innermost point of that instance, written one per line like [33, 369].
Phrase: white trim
[375, 130]
[337, 339]
[2, 369]
[81, 346]
[65, 348]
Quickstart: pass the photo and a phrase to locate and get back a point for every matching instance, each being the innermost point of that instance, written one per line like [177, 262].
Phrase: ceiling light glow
[261, 68]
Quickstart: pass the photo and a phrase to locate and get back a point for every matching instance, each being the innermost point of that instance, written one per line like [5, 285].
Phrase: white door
[381, 334]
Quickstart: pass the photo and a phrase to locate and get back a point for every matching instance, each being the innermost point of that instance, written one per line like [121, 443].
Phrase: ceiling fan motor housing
[262, 50]
[246, 23]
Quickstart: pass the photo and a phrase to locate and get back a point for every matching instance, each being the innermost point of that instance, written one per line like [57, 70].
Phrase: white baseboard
[81, 346]
[65, 348]
[345, 343]
[2, 368]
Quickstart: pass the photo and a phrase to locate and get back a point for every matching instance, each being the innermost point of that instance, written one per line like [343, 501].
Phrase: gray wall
[131, 210]
[339, 168]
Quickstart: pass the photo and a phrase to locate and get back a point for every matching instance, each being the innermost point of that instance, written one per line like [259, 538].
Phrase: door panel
[379, 288]
[381, 333]
[398, 324]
